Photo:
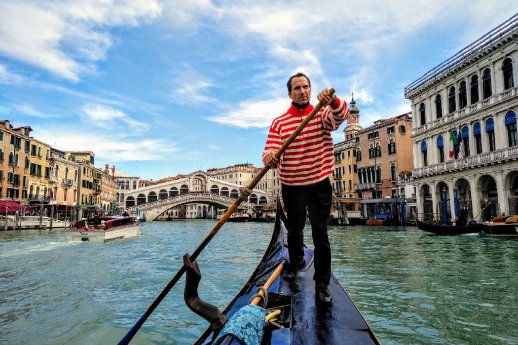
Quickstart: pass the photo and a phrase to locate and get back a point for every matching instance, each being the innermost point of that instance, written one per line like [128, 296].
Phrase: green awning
[87, 207]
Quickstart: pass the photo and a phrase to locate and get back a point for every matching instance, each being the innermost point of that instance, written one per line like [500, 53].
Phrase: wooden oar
[242, 197]
[266, 286]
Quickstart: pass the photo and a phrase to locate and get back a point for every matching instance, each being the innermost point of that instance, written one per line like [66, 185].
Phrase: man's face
[300, 90]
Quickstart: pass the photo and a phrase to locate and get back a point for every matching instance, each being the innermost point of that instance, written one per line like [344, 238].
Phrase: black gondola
[446, 229]
[299, 320]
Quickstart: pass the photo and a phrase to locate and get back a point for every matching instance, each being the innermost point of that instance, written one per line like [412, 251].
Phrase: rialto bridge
[196, 188]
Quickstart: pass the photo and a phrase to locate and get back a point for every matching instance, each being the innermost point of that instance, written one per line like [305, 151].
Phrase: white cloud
[65, 38]
[7, 77]
[254, 113]
[106, 146]
[97, 115]
[29, 109]
[191, 87]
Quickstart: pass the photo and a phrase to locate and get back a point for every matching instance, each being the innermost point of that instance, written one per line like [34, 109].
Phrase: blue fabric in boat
[246, 324]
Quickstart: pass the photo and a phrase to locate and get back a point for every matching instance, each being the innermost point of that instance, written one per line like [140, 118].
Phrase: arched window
[486, 83]
[358, 156]
[474, 89]
[451, 100]
[378, 150]
[490, 130]
[163, 194]
[393, 174]
[438, 106]
[510, 123]
[478, 137]
[424, 150]
[224, 192]
[371, 151]
[464, 134]
[440, 147]
[391, 147]
[422, 113]
[152, 197]
[463, 98]
[507, 70]
[141, 199]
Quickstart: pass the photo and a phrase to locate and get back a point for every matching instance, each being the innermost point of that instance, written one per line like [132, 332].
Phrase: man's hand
[271, 160]
[326, 97]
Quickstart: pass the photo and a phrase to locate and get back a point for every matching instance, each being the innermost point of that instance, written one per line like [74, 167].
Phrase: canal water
[412, 287]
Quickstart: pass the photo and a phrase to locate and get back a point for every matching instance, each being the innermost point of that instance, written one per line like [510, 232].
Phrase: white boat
[103, 229]
[238, 216]
[30, 222]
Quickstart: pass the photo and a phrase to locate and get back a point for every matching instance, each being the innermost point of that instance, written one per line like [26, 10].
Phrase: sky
[158, 88]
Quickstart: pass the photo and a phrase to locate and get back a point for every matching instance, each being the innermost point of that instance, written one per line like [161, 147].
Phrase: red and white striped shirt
[310, 157]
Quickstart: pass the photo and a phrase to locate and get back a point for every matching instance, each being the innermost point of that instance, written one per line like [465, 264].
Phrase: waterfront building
[383, 159]
[109, 186]
[14, 156]
[89, 179]
[464, 135]
[64, 178]
[38, 161]
[125, 183]
[345, 177]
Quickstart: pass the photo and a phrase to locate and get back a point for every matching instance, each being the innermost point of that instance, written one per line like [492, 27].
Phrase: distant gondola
[447, 229]
[298, 319]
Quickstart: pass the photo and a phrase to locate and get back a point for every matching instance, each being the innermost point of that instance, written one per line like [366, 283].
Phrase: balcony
[467, 111]
[67, 182]
[495, 157]
[53, 179]
[366, 186]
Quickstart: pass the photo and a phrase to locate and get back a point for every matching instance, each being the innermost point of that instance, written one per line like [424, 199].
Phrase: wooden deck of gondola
[312, 323]
[304, 321]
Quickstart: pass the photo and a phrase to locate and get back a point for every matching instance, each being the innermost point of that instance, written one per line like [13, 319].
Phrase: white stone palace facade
[467, 106]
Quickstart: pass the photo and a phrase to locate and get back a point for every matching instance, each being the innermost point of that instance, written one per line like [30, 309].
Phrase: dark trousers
[317, 199]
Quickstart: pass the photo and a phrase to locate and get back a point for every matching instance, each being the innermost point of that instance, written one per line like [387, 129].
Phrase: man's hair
[296, 76]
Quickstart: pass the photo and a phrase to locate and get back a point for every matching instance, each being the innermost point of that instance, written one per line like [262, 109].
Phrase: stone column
[434, 199]
[502, 200]
[475, 197]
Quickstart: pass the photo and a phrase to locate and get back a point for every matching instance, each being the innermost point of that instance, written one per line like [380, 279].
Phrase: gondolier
[304, 171]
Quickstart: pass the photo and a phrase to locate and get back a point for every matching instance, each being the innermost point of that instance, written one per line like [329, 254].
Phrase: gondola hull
[303, 320]
[445, 229]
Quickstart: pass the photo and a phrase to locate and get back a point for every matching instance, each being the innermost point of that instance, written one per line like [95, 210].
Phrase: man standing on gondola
[304, 170]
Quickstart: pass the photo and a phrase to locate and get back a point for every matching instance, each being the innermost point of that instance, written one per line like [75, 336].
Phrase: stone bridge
[197, 182]
[155, 208]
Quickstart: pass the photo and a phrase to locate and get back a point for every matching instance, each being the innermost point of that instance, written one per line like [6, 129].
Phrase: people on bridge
[304, 170]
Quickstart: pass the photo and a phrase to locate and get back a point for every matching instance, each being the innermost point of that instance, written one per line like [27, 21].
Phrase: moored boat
[446, 229]
[103, 229]
[239, 216]
[294, 316]
[503, 226]
[380, 219]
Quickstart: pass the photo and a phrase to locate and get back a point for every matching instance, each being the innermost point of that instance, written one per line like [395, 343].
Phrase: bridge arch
[152, 196]
[141, 199]
[163, 194]
[184, 189]
[130, 201]
[173, 192]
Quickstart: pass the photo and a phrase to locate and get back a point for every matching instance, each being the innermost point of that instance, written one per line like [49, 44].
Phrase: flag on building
[453, 143]
[458, 147]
